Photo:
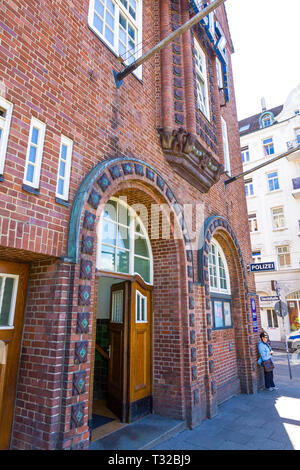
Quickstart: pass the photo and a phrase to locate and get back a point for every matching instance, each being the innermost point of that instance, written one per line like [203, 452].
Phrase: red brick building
[123, 256]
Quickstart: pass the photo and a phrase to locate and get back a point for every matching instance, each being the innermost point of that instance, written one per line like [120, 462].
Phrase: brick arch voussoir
[99, 185]
[214, 226]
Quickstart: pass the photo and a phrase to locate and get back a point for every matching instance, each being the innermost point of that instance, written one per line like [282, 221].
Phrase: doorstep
[143, 434]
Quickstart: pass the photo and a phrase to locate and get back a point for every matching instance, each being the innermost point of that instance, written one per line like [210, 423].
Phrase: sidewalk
[264, 421]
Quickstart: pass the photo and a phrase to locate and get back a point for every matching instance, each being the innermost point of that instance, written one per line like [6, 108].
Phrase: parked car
[293, 341]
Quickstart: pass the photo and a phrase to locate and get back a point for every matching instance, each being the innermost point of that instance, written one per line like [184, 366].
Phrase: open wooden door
[13, 287]
[118, 350]
[140, 351]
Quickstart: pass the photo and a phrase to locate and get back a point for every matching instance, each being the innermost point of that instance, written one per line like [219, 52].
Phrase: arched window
[123, 242]
[220, 291]
[218, 270]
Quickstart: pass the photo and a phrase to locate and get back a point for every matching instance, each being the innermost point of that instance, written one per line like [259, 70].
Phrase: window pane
[141, 248]
[98, 23]
[99, 8]
[110, 20]
[143, 309]
[117, 307]
[269, 318]
[123, 261]
[123, 215]
[6, 302]
[109, 35]
[35, 135]
[62, 169]
[107, 258]
[123, 238]
[60, 187]
[110, 211]
[63, 154]
[110, 5]
[32, 154]
[109, 232]
[138, 307]
[30, 172]
[142, 267]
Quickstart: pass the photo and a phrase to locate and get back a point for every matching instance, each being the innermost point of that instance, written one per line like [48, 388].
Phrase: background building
[273, 202]
[98, 303]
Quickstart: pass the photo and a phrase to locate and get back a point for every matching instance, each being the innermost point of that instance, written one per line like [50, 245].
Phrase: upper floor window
[64, 168]
[256, 256]
[284, 256]
[273, 181]
[124, 245]
[268, 146]
[225, 146]
[218, 270]
[278, 219]
[266, 120]
[201, 80]
[245, 154]
[249, 187]
[297, 132]
[34, 153]
[219, 73]
[119, 24]
[252, 219]
[5, 119]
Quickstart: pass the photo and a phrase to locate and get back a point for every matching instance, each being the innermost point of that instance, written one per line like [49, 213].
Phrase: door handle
[108, 352]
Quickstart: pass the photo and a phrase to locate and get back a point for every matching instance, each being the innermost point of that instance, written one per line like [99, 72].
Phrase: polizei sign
[259, 267]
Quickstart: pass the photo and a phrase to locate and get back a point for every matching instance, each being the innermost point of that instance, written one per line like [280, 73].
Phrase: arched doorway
[124, 284]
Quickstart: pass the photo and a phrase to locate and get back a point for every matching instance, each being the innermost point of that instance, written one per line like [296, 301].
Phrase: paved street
[265, 421]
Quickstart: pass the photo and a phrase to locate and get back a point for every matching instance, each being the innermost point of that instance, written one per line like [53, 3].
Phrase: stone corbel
[188, 157]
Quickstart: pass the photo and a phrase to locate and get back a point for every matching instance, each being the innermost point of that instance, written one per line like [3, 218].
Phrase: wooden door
[118, 350]
[13, 287]
[140, 351]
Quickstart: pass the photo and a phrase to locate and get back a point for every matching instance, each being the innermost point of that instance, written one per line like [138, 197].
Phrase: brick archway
[219, 228]
[105, 180]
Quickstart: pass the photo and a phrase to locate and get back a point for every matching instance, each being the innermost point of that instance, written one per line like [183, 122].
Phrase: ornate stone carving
[189, 158]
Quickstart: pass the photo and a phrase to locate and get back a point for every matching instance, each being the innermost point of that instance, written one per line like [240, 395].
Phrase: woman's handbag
[268, 365]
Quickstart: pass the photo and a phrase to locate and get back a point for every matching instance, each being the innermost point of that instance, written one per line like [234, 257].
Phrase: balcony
[294, 144]
[296, 188]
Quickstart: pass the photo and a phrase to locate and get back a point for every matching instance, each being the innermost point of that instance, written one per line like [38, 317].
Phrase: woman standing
[265, 360]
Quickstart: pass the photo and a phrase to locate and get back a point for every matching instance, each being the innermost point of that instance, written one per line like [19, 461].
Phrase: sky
[266, 61]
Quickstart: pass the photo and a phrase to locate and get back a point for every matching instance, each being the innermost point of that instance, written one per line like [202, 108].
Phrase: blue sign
[271, 298]
[217, 38]
[254, 315]
[262, 267]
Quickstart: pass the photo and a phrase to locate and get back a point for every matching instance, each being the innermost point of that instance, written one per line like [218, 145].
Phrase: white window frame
[41, 127]
[245, 154]
[138, 298]
[225, 147]
[5, 126]
[132, 235]
[138, 25]
[218, 289]
[279, 216]
[266, 145]
[201, 75]
[11, 318]
[253, 223]
[282, 266]
[257, 257]
[249, 183]
[273, 179]
[66, 179]
[219, 74]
